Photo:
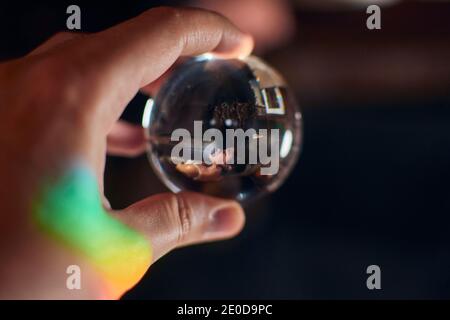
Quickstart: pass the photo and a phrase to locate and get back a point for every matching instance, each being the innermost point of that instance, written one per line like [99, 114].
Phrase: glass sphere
[225, 127]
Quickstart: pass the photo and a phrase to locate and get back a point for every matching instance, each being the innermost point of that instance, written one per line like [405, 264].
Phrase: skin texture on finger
[114, 64]
[70, 211]
[175, 220]
[117, 245]
[180, 32]
[54, 41]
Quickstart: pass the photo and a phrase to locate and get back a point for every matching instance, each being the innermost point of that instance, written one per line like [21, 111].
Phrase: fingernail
[223, 220]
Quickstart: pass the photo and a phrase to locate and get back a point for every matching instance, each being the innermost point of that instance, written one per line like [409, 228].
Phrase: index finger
[113, 65]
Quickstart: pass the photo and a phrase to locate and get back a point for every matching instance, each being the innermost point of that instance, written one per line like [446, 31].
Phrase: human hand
[59, 111]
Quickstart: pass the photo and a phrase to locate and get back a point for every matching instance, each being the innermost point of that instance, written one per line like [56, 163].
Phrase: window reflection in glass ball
[224, 127]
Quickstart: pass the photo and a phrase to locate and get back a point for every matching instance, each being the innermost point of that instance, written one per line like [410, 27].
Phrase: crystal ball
[225, 127]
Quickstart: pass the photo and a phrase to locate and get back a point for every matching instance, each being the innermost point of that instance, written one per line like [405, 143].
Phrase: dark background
[372, 185]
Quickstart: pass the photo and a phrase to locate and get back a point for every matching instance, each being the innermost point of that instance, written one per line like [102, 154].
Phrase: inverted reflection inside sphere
[224, 127]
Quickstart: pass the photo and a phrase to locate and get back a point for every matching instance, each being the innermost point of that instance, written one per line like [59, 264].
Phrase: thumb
[174, 220]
